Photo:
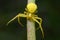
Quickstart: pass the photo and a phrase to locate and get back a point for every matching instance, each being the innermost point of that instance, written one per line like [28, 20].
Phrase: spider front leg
[35, 19]
[22, 15]
[17, 16]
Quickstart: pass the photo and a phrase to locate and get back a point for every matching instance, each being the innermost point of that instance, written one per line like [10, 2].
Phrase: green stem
[31, 27]
[31, 30]
[31, 1]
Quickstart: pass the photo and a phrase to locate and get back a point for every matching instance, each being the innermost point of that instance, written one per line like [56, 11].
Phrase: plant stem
[31, 30]
[31, 27]
[31, 1]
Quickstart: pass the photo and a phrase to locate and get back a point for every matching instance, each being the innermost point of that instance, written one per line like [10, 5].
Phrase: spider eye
[31, 7]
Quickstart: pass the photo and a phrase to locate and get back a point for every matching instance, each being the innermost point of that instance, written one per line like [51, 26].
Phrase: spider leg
[20, 22]
[35, 19]
[21, 15]
[40, 20]
[12, 19]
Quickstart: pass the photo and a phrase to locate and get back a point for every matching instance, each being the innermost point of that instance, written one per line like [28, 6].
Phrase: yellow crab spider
[29, 13]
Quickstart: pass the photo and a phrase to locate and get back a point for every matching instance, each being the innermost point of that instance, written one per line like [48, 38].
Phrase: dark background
[48, 10]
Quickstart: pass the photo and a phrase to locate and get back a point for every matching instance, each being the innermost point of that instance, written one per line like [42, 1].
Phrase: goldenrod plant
[30, 15]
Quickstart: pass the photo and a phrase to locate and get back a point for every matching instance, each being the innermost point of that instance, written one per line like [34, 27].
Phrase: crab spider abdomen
[32, 7]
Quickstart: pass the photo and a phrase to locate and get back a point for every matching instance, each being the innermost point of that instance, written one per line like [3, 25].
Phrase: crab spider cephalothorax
[29, 13]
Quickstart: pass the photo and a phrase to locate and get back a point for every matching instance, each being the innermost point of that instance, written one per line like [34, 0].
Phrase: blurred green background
[48, 10]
